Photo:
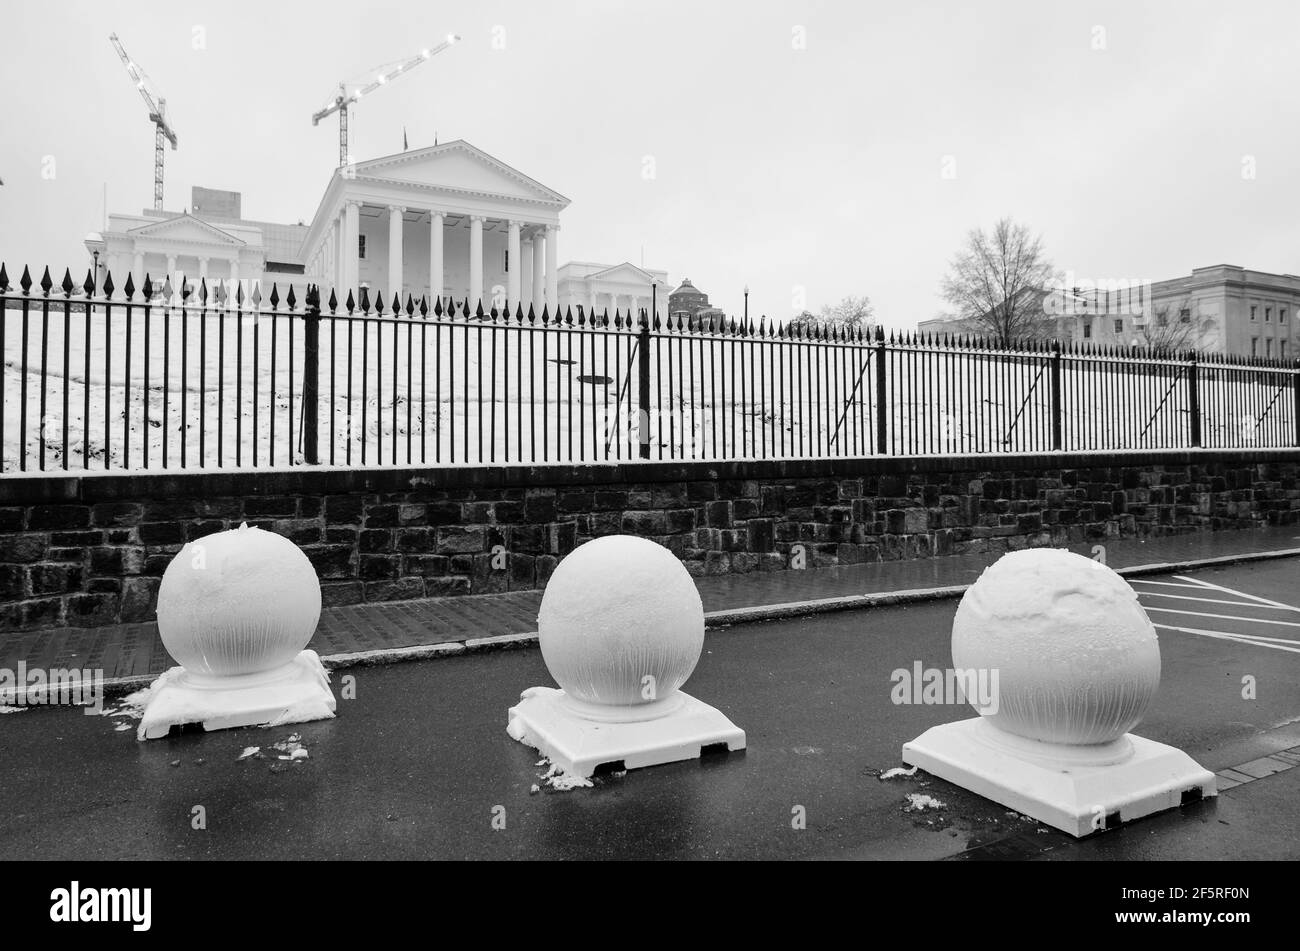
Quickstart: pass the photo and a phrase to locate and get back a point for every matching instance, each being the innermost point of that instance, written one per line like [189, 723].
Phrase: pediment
[626, 272]
[186, 228]
[456, 166]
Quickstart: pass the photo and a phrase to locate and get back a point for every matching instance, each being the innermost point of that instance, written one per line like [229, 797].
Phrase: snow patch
[898, 771]
[6, 709]
[919, 802]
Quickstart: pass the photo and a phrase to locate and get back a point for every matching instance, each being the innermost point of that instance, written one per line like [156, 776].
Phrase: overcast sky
[819, 167]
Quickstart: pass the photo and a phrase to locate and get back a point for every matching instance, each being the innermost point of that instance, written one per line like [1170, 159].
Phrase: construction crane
[157, 115]
[343, 98]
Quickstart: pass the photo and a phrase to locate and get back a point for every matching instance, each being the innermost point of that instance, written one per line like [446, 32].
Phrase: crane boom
[343, 98]
[157, 115]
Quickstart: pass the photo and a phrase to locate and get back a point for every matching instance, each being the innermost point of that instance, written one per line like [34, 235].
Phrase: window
[1087, 329]
[1162, 320]
[361, 246]
[1252, 311]
[1254, 346]
[1281, 315]
[1119, 326]
[1185, 315]
[1268, 347]
[1268, 315]
[507, 265]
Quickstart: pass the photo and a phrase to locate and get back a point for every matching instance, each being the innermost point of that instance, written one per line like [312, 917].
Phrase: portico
[448, 221]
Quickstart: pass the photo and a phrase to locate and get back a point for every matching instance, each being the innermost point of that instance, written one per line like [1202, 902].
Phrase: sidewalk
[377, 633]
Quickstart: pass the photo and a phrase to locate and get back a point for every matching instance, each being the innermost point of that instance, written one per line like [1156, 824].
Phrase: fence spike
[350, 303]
[396, 306]
[108, 285]
[25, 282]
[88, 287]
[478, 310]
[4, 278]
[568, 316]
[239, 292]
[365, 299]
[437, 306]
[290, 299]
[410, 306]
[379, 303]
[187, 289]
[46, 282]
[147, 292]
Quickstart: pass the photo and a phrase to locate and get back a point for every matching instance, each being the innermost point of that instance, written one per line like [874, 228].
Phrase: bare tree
[1173, 326]
[996, 284]
[851, 313]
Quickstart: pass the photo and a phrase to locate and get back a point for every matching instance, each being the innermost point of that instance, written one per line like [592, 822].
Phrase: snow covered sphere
[238, 602]
[1076, 657]
[621, 622]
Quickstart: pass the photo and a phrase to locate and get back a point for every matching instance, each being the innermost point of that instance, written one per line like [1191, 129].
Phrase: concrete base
[294, 693]
[1077, 789]
[579, 737]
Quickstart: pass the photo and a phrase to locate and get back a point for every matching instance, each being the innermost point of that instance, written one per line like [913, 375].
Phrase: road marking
[1165, 584]
[1239, 638]
[1226, 617]
[1240, 594]
[1185, 597]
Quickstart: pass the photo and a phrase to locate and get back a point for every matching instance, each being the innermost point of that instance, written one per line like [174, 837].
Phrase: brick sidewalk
[133, 651]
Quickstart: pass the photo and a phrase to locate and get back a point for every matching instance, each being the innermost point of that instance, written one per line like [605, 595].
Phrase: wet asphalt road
[419, 764]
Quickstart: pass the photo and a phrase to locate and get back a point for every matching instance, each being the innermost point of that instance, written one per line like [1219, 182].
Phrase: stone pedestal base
[294, 693]
[1078, 789]
[579, 737]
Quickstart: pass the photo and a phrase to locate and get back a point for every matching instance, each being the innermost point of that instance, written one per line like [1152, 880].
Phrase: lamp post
[95, 278]
[746, 302]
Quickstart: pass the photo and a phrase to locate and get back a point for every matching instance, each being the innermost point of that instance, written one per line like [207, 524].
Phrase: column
[613, 303]
[351, 231]
[552, 275]
[636, 307]
[234, 278]
[395, 213]
[526, 273]
[539, 271]
[171, 276]
[475, 262]
[339, 282]
[512, 254]
[137, 269]
[591, 301]
[436, 221]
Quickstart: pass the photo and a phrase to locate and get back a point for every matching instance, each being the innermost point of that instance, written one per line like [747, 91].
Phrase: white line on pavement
[1239, 638]
[1184, 597]
[1240, 594]
[1226, 617]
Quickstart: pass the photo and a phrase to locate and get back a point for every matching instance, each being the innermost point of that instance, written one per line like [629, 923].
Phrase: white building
[597, 288]
[162, 244]
[448, 221]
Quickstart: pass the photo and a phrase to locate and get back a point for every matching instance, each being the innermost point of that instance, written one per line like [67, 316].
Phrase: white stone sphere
[620, 609]
[238, 602]
[1077, 658]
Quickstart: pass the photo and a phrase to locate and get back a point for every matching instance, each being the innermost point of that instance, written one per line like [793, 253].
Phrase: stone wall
[89, 551]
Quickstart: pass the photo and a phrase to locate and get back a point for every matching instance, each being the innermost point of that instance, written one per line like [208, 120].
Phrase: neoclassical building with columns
[447, 221]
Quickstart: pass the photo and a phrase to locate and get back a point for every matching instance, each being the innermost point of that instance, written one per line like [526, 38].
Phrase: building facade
[687, 301]
[1218, 309]
[198, 243]
[622, 288]
[447, 221]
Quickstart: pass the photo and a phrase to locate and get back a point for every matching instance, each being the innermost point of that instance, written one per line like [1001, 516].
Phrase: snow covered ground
[211, 390]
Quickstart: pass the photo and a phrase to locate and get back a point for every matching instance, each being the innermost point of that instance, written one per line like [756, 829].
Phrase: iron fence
[198, 377]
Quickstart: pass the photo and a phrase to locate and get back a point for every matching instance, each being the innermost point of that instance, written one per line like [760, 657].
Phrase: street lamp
[746, 302]
[95, 280]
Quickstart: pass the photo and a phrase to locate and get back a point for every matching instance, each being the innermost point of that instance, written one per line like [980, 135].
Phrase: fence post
[311, 377]
[1057, 441]
[643, 384]
[1295, 388]
[882, 411]
[1194, 399]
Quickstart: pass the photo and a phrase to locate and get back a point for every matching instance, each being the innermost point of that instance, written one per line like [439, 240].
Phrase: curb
[721, 619]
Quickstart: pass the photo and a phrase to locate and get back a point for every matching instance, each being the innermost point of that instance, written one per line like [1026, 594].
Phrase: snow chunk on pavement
[919, 802]
[898, 771]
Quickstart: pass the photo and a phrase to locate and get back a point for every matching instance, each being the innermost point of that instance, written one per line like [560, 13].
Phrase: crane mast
[343, 99]
[163, 130]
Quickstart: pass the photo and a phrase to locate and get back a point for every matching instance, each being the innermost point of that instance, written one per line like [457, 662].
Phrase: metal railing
[199, 377]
